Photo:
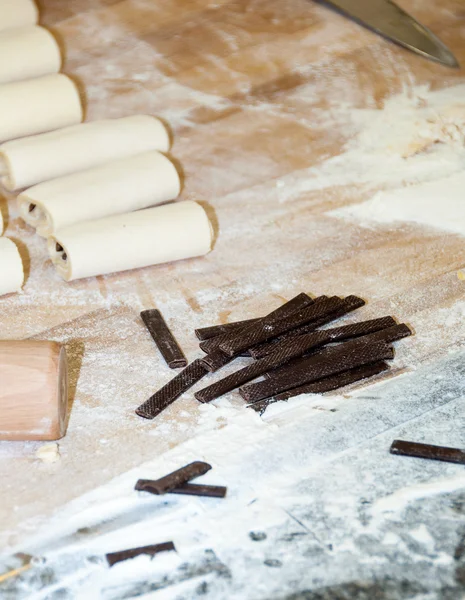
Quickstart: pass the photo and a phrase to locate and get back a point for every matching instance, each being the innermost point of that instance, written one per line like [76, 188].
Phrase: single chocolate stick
[417, 450]
[173, 480]
[349, 304]
[297, 303]
[205, 333]
[116, 557]
[324, 385]
[194, 489]
[164, 339]
[388, 335]
[329, 362]
[172, 390]
[268, 329]
[286, 351]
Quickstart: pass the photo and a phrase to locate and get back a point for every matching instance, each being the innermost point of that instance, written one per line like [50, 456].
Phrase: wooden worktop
[248, 88]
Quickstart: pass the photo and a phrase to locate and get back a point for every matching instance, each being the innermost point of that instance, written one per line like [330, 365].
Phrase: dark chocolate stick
[216, 359]
[388, 335]
[116, 557]
[329, 362]
[205, 333]
[265, 330]
[349, 304]
[195, 489]
[324, 385]
[163, 338]
[297, 303]
[286, 351]
[173, 480]
[443, 453]
[172, 390]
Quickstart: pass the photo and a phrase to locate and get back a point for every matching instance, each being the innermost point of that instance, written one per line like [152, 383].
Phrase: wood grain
[251, 91]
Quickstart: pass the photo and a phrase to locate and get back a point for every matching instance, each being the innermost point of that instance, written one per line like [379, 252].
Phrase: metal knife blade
[390, 21]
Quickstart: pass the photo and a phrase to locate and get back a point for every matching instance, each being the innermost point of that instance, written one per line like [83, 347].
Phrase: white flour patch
[438, 204]
[417, 139]
[417, 136]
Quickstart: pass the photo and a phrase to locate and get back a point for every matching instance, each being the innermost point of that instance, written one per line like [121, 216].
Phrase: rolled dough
[118, 187]
[42, 157]
[38, 105]
[11, 267]
[139, 239]
[31, 51]
[17, 13]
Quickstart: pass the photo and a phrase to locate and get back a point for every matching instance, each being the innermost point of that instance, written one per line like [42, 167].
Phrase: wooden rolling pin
[33, 390]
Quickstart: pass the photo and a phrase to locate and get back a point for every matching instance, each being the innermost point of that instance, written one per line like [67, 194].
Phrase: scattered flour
[417, 138]
[439, 204]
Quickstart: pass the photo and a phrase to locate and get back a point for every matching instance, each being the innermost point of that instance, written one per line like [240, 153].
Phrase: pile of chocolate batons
[293, 356]
[290, 352]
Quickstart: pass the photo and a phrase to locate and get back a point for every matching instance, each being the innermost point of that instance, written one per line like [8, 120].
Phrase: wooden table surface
[248, 88]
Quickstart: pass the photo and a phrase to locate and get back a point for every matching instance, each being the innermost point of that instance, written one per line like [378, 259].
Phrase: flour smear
[417, 140]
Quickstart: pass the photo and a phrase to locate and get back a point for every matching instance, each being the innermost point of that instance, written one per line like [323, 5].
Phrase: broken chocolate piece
[297, 303]
[417, 450]
[324, 385]
[173, 480]
[116, 557]
[163, 338]
[349, 304]
[288, 350]
[205, 333]
[172, 390]
[330, 361]
[195, 489]
[269, 328]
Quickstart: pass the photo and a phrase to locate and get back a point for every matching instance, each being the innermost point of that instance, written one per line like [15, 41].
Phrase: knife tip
[446, 58]
[452, 62]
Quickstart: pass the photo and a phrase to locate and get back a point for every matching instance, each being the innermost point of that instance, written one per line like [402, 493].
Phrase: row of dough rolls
[33, 99]
[85, 183]
[89, 179]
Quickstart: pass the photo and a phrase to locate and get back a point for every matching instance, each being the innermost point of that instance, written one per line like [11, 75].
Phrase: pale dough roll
[11, 267]
[119, 187]
[42, 157]
[139, 239]
[17, 13]
[31, 52]
[38, 105]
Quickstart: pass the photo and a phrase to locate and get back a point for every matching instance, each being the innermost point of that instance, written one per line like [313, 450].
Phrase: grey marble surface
[325, 512]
